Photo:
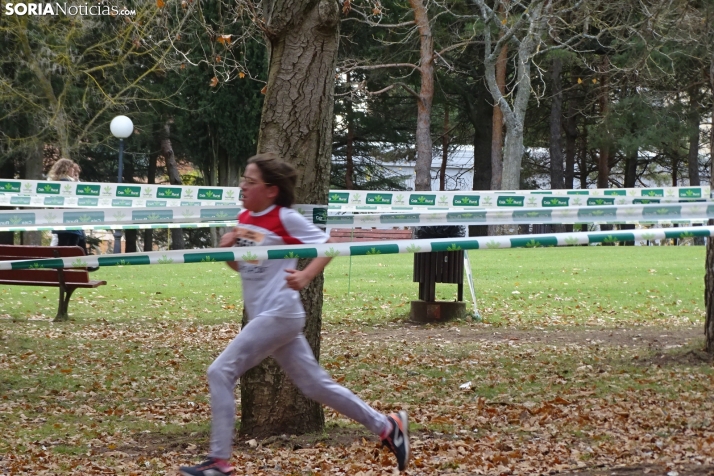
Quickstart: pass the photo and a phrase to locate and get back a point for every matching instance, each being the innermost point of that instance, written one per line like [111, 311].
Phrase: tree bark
[709, 272]
[167, 151]
[150, 178]
[444, 150]
[480, 114]
[584, 147]
[297, 124]
[497, 123]
[693, 154]
[129, 173]
[603, 163]
[630, 180]
[7, 170]
[556, 127]
[709, 295]
[571, 137]
[631, 169]
[349, 151]
[33, 171]
[422, 180]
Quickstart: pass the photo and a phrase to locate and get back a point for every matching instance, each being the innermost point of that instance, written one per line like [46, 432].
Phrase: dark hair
[276, 172]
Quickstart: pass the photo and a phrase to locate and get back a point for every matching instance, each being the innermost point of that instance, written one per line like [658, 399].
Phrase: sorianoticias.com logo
[56, 8]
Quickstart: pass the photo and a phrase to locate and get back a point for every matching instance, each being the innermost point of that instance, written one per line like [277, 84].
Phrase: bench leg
[64, 295]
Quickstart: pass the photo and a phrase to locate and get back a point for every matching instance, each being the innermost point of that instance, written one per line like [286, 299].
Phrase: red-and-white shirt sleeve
[299, 230]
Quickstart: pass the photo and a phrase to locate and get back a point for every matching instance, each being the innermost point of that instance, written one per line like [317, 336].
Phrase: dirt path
[654, 337]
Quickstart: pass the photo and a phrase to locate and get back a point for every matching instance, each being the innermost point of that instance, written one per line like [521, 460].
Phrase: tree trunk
[167, 151]
[130, 241]
[150, 178]
[497, 123]
[228, 170]
[514, 115]
[7, 170]
[631, 169]
[422, 180]
[603, 163]
[297, 124]
[349, 163]
[584, 159]
[571, 144]
[693, 155]
[128, 177]
[444, 150]
[630, 180]
[709, 295]
[480, 114]
[33, 171]
[571, 137]
[709, 276]
[556, 119]
[512, 156]
[349, 152]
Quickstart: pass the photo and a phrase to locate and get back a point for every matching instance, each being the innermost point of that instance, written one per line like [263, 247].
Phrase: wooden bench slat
[75, 275]
[344, 235]
[90, 284]
[21, 252]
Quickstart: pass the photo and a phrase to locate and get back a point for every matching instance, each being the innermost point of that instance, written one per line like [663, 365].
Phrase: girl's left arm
[297, 280]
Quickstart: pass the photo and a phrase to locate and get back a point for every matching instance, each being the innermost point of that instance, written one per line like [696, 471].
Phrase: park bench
[67, 279]
[342, 235]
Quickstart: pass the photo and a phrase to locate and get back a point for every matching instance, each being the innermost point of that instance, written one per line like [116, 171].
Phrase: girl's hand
[297, 280]
[228, 239]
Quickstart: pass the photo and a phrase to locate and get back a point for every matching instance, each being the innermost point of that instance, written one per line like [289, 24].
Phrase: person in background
[66, 170]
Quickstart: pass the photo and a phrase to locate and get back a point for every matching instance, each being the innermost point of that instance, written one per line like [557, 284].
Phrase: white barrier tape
[685, 212]
[127, 226]
[332, 250]
[22, 220]
[567, 215]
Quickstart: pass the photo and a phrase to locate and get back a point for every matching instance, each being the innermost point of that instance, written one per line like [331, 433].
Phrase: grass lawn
[586, 357]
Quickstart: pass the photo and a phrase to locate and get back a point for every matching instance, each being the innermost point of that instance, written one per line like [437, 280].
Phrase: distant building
[459, 169]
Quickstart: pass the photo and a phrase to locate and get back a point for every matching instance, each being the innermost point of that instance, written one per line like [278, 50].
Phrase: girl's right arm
[228, 240]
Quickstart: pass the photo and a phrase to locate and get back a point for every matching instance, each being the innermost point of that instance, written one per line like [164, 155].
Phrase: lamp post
[121, 127]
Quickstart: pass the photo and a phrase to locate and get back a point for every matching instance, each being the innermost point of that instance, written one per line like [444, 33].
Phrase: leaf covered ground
[539, 387]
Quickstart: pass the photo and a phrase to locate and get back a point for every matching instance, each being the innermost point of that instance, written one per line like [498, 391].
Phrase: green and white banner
[38, 201]
[512, 198]
[489, 200]
[363, 248]
[45, 188]
[186, 193]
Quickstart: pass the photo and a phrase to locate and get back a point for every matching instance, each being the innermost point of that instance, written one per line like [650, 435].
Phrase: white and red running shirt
[265, 290]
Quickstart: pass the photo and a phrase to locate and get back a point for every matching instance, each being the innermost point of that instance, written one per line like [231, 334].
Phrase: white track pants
[282, 339]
